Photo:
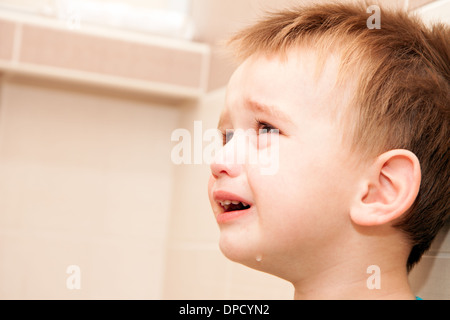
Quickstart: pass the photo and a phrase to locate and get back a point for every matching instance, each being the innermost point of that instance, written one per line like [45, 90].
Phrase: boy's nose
[229, 160]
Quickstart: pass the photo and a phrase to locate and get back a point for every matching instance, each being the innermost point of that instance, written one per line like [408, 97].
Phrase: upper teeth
[228, 202]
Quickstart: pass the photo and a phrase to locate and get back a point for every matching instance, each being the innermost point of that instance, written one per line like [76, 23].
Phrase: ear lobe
[388, 190]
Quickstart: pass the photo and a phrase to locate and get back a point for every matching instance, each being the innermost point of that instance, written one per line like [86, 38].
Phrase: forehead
[292, 82]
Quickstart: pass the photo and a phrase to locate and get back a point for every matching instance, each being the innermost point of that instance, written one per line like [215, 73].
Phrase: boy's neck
[344, 282]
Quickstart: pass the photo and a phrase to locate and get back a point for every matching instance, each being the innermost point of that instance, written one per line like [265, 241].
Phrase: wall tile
[124, 268]
[442, 241]
[7, 33]
[82, 52]
[431, 277]
[87, 180]
[192, 218]
[196, 272]
[34, 265]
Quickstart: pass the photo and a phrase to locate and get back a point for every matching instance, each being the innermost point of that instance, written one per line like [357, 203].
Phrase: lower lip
[231, 215]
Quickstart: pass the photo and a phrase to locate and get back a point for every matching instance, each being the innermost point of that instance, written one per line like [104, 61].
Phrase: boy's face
[300, 211]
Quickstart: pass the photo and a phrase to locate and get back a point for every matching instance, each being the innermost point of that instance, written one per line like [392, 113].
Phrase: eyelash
[259, 125]
[262, 125]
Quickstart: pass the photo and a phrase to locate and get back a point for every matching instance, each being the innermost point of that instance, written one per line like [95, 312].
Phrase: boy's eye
[261, 128]
[265, 134]
[264, 127]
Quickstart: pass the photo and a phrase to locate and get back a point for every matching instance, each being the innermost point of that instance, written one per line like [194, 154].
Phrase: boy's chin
[255, 257]
[242, 253]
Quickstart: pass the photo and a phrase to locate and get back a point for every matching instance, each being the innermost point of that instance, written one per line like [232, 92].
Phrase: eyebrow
[258, 107]
[269, 110]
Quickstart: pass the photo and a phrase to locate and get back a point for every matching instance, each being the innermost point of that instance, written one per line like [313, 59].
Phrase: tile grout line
[445, 255]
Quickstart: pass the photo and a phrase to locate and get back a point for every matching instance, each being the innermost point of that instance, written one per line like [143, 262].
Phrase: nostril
[215, 176]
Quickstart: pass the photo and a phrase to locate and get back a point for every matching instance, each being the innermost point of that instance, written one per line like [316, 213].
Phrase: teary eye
[264, 127]
[266, 134]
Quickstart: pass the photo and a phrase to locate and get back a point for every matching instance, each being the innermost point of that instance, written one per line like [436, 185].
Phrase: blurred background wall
[88, 104]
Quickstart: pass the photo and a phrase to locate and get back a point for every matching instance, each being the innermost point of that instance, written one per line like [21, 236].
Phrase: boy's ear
[388, 190]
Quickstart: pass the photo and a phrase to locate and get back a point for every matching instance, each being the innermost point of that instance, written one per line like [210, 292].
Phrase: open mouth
[229, 206]
[232, 206]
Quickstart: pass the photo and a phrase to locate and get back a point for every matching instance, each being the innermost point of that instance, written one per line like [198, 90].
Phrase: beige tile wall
[85, 179]
[431, 277]
[7, 30]
[140, 62]
[83, 52]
